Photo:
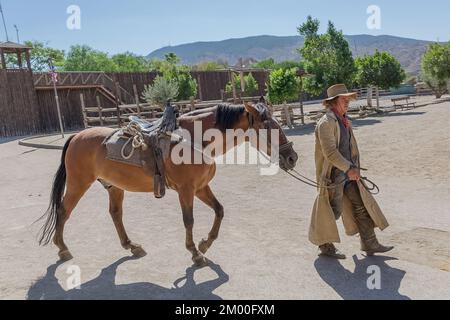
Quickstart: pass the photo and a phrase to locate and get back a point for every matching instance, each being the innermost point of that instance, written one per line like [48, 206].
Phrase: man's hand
[354, 174]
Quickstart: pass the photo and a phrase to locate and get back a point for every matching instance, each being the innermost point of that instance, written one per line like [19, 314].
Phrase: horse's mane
[228, 115]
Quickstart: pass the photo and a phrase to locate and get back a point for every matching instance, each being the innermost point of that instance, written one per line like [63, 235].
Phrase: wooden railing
[79, 80]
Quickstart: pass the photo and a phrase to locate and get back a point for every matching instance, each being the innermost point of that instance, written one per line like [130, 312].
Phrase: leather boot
[373, 246]
[329, 250]
[366, 226]
[370, 244]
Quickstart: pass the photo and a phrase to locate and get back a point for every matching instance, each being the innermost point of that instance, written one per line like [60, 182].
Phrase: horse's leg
[186, 197]
[116, 196]
[207, 197]
[73, 195]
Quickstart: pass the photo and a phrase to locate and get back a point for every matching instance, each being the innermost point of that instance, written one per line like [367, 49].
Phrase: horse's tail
[53, 211]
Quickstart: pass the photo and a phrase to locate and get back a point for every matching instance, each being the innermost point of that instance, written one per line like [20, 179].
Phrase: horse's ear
[262, 100]
[252, 110]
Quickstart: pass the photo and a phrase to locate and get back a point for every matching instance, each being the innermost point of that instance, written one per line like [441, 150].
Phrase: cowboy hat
[339, 90]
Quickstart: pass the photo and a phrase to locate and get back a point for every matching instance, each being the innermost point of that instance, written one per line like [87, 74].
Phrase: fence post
[288, 115]
[369, 96]
[118, 101]
[192, 107]
[100, 110]
[200, 93]
[136, 98]
[234, 87]
[378, 98]
[2, 55]
[241, 75]
[83, 109]
[302, 110]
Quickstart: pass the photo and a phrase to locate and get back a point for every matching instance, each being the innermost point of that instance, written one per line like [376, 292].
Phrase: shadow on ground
[399, 114]
[353, 286]
[104, 287]
[4, 140]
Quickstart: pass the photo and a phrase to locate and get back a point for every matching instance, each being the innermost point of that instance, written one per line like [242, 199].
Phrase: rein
[372, 188]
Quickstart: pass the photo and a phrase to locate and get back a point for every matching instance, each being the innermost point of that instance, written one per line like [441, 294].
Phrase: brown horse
[84, 162]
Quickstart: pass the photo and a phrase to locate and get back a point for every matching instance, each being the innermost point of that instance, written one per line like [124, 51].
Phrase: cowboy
[338, 167]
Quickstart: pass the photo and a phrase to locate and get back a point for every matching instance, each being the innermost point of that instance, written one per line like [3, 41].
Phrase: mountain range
[408, 51]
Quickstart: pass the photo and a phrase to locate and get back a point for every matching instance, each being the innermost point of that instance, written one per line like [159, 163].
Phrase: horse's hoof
[138, 252]
[65, 256]
[200, 261]
[203, 246]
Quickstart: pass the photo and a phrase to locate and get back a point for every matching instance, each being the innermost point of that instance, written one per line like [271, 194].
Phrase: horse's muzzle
[288, 160]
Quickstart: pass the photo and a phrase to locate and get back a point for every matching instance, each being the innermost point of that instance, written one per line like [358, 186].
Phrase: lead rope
[372, 189]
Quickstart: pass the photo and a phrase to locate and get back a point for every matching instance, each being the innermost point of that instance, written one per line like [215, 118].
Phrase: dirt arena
[263, 250]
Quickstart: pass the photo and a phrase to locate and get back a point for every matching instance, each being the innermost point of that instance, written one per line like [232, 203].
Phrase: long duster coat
[323, 227]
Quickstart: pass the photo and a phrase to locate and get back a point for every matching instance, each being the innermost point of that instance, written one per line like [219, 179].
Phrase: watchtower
[21, 51]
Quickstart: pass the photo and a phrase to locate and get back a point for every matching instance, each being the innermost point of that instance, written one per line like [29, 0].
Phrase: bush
[251, 85]
[283, 86]
[162, 90]
[187, 86]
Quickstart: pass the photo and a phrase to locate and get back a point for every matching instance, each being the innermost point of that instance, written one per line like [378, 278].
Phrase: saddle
[146, 145]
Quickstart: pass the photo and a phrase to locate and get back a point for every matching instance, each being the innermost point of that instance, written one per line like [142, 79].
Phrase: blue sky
[142, 26]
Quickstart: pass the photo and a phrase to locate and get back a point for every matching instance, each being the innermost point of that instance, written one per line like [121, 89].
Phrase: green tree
[39, 56]
[155, 65]
[171, 69]
[187, 85]
[438, 87]
[436, 67]
[209, 66]
[270, 64]
[289, 64]
[436, 61]
[326, 56]
[283, 86]
[130, 62]
[84, 58]
[380, 70]
[265, 64]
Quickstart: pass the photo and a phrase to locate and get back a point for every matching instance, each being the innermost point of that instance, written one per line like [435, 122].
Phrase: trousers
[350, 189]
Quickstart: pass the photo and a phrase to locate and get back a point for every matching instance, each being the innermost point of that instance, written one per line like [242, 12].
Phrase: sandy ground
[263, 251]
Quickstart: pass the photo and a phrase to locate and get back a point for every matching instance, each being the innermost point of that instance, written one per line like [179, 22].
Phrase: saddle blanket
[114, 145]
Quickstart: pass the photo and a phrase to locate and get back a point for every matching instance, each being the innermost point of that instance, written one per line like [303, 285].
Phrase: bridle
[251, 121]
[369, 185]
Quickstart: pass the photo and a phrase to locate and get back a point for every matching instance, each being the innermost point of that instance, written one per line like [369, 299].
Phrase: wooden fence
[70, 105]
[18, 112]
[27, 101]
[210, 83]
